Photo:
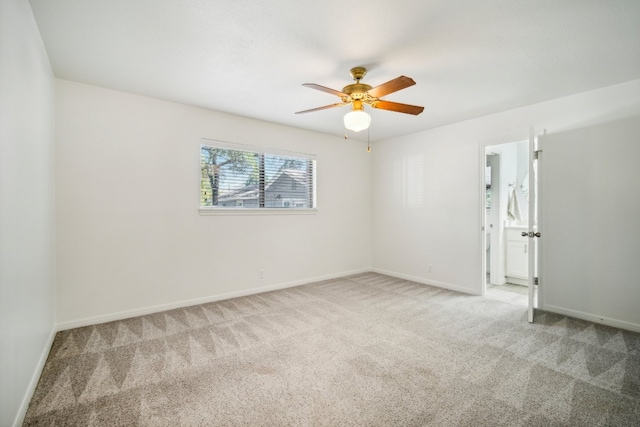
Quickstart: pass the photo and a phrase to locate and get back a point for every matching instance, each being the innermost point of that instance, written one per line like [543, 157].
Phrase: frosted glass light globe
[357, 120]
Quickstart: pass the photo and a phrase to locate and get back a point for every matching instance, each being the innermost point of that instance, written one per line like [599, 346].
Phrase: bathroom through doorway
[505, 218]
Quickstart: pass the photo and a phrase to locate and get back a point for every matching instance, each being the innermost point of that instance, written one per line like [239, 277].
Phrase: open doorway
[505, 218]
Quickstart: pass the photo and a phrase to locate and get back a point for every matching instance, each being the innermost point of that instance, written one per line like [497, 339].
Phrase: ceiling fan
[359, 94]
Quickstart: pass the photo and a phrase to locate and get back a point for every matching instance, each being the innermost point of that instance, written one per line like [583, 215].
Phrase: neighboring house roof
[296, 174]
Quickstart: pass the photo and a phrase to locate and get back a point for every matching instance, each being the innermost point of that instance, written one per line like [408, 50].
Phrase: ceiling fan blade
[400, 108]
[391, 86]
[340, 104]
[324, 89]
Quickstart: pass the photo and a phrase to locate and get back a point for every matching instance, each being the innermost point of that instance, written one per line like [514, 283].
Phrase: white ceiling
[469, 58]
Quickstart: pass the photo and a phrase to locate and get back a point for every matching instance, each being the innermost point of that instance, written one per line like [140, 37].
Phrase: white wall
[444, 229]
[27, 286]
[130, 238]
[591, 228]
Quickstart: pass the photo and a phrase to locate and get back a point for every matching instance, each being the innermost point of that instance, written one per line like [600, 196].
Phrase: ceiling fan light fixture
[357, 120]
[359, 93]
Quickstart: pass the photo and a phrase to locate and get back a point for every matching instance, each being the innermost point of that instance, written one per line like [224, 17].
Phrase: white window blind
[241, 179]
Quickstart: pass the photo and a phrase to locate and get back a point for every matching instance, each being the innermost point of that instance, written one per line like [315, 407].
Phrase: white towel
[513, 209]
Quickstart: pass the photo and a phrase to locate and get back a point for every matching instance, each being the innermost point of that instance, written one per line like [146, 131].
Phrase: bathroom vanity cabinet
[517, 256]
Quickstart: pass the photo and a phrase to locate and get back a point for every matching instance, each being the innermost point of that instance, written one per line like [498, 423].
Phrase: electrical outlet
[260, 274]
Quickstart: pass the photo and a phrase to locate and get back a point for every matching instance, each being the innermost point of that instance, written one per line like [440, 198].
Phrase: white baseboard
[94, 320]
[17, 422]
[622, 324]
[436, 283]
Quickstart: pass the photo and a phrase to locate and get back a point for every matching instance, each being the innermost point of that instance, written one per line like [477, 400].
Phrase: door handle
[530, 234]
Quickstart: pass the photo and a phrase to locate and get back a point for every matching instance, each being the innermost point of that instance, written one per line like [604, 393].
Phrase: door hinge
[535, 281]
[536, 154]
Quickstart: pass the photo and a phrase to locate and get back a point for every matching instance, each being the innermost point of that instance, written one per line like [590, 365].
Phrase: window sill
[262, 211]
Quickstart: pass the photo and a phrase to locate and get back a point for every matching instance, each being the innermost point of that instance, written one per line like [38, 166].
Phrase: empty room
[319, 213]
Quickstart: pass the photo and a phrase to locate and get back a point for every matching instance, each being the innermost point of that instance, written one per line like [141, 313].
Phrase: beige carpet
[366, 350]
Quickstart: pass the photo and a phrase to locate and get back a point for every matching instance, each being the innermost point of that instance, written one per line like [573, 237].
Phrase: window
[241, 179]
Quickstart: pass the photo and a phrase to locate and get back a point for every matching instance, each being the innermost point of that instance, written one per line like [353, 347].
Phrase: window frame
[262, 151]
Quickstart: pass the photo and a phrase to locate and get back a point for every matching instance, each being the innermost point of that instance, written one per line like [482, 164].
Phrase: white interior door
[532, 231]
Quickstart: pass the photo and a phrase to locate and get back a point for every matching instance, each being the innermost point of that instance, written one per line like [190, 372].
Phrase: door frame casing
[539, 201]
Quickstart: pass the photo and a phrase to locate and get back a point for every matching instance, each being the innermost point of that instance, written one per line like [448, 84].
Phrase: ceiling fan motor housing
[356, 90]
